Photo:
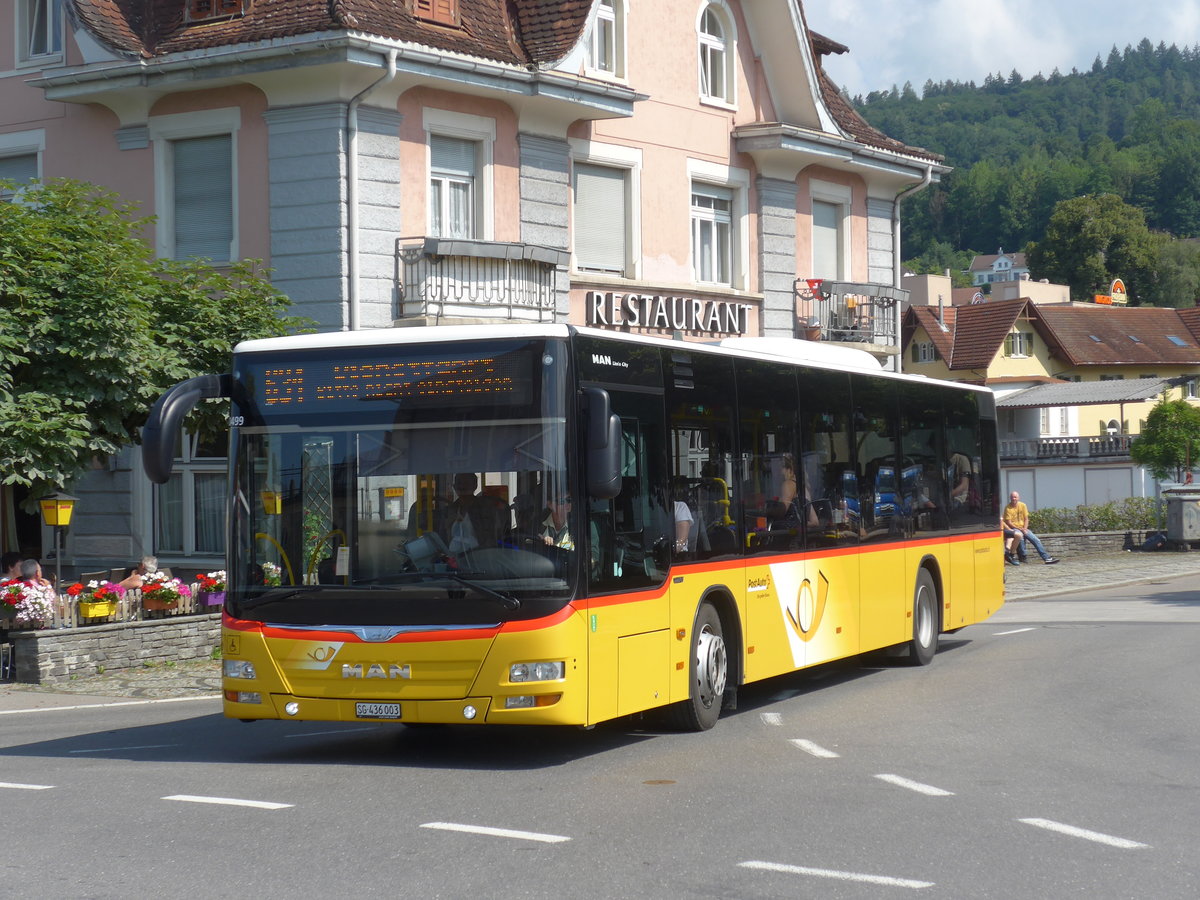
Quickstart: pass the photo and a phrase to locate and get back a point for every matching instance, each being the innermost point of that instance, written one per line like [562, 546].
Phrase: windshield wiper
[508, 601]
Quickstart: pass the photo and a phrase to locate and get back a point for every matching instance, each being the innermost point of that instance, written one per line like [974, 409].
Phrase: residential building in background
[683, 167]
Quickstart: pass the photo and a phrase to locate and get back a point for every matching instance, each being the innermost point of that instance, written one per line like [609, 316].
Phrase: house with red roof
[1074, 384]
[595, 162]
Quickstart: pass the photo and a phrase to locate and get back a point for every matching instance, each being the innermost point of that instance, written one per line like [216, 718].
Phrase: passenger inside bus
[473, 520]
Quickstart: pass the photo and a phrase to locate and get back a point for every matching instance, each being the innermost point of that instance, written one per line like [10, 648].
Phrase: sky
[894, 41]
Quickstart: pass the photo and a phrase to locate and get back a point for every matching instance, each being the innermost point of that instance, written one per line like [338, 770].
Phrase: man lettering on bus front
[1016, 526]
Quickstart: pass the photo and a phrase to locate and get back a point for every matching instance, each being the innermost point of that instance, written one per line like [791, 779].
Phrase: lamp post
[56, 512]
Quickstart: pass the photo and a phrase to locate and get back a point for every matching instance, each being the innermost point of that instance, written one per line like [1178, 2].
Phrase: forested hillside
[1019, 146]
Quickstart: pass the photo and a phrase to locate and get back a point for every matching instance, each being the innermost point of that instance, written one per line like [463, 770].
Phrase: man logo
[376, 670]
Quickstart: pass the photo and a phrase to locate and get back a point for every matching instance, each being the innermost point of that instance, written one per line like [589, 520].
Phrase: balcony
[859, 313]
[442, 278]
[1066, 449]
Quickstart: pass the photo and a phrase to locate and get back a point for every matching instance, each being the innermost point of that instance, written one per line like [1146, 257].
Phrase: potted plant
[272, 574]
[160, 592]
[28, 605]
[97, 599]
[211, 588]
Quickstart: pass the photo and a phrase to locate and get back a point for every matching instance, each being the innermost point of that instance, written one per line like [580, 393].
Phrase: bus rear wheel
[708, 670]
[924, 642]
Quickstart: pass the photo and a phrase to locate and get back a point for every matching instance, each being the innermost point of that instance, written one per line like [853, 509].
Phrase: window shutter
[1008, 344]
[1029, 344]
[203, 178]
[916, 352]
[600, 219]
[20, 169]
[452, 156]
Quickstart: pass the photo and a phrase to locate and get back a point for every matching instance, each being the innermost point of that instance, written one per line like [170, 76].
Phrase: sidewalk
[195, 679]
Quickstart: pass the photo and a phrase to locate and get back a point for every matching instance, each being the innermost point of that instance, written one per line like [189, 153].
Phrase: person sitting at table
[135, 575]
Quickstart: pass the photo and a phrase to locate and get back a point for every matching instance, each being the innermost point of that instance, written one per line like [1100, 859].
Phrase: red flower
[75, 590]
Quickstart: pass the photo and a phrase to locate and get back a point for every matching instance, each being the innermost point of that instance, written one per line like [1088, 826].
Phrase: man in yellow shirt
[1016, 528]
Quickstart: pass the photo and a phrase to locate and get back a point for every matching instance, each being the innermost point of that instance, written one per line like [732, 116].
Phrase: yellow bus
[560, 525]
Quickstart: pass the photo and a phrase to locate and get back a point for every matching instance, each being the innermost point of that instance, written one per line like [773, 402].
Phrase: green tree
[1170, 441]
[93, 328]
[1093, 239]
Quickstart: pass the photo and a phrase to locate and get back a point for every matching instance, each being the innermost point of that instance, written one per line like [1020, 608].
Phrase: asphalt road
[1050, 752]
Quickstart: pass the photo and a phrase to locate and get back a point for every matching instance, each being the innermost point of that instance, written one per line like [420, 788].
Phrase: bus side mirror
[603, 445]
[158, 434]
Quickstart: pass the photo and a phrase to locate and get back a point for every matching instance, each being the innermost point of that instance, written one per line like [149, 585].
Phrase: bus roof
[814, 353]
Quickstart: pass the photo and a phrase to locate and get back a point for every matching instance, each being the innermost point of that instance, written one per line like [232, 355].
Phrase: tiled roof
[857, 127]
[974, 334]
[1105, 335]
[518, 32]
[986, 262]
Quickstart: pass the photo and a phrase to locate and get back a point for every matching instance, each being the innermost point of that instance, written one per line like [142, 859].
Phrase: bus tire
[708, 670]
[924, 643]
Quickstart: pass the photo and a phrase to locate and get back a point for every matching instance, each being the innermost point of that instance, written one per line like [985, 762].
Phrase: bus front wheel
[708, 670]
[924, 642]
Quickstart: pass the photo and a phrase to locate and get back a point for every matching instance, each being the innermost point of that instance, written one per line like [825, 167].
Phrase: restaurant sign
[667, 313]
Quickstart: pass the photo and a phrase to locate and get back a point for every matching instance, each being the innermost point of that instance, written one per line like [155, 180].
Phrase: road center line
[1014, 631]
[46, 709]
[834, 874]
[228, 801]
[911, 785]
[771, 719]
[497, 832]
[116, 749]
[25, 787]
[1072, 831]
[814, 749]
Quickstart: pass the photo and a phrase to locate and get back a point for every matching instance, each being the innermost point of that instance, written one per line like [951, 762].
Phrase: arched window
[608, 38]
[716, 38]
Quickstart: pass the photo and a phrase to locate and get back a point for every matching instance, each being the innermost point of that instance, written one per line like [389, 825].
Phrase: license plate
[377, 710]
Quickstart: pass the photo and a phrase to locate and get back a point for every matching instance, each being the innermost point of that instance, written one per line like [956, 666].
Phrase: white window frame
[616, 156]
[24, 143]
[841, 196]
[164, 131]
[609, 18]
[1189, 389]
[482, 131]
[51, 32]
[926, 352]
[707, 46]
[737, 181]
[188, 465]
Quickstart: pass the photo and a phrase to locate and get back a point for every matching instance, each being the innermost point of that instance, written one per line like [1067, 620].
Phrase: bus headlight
[239, 668]
[528, 701]
[536, 671]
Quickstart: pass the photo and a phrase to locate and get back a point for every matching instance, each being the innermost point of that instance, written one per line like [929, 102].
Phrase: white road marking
[1096, 836]
[116, 749]
[771, 719]
[1014, 631]
[25, 787]
[497, 832]
[927, 789]
[814, 749]
[45, 709]
[886, 880]
[228, 801]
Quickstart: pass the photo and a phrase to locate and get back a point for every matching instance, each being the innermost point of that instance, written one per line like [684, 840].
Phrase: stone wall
[1083, 542]
[55, 655]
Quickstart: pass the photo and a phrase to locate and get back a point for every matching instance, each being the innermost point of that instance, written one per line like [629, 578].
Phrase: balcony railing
[1065, 448]
[447, 277]
[853, 312]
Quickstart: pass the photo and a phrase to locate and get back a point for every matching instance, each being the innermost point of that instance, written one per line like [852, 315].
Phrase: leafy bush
[1130, 514]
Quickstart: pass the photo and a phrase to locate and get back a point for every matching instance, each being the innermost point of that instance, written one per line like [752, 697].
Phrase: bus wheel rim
[711, 666]
[924, 619]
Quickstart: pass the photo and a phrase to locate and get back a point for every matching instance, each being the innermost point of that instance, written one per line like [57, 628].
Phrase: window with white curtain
[453, 171]
[601, 219]
[712, 234]
[827, 240]
[190, 507]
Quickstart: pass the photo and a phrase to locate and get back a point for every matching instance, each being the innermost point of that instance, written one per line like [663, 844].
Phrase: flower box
[149, 601]
[211, 598]
[97, 609]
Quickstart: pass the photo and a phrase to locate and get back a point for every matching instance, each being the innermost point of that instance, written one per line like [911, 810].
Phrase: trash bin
[1183, 514]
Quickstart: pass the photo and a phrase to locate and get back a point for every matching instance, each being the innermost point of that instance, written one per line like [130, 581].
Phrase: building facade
[684, 167]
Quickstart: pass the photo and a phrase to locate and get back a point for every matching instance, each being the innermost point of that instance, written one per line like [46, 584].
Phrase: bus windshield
[402, 486]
